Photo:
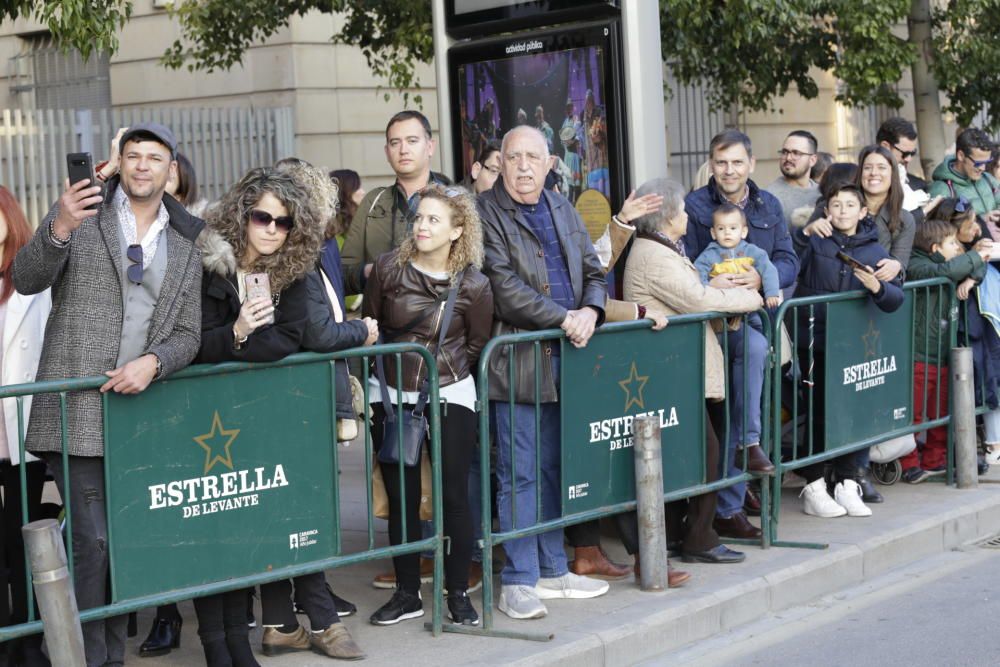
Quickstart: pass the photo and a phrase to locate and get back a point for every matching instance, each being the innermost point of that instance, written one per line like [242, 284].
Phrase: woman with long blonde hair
[431, 291]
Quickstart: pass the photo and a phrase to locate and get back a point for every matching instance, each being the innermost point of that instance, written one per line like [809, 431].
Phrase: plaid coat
[83, 332]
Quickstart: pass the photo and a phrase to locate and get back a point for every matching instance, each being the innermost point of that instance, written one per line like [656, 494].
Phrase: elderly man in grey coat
[126, 285]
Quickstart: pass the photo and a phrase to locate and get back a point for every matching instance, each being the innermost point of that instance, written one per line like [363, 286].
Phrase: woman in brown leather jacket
[407, 290]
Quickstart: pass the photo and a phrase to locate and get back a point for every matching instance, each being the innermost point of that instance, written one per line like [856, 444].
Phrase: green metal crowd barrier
[234, 466]
[867, 373]
[626, 369]
[226, 476]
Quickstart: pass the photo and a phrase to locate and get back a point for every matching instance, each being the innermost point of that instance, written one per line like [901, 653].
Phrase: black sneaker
[344, 608]
[400, 607]
[915, 475]
[460, 609]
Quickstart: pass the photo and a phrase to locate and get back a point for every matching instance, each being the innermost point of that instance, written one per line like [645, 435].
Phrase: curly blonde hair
[467, 250]
[298, 254]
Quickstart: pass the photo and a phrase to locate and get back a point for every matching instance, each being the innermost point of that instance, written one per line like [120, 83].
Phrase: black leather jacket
[396, 295]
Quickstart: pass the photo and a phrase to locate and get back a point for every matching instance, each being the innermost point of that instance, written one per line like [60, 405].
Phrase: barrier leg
[649, 504]
[963, 418]
[54, 592]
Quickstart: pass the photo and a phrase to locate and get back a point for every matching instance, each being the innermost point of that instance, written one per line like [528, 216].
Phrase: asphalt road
[943, 611]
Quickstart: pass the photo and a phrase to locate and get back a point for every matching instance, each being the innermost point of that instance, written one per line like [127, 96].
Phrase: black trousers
[458, 438]
[688, 521]
[223, 617]
[310, 593]
[12, 559]
[14, 609]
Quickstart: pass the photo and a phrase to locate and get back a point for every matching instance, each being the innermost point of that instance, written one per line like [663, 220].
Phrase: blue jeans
[749, 370]
[529, 558]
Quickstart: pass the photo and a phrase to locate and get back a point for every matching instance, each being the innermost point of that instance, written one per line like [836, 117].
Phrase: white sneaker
[993, 454]
[818, 502]
[521, 602]
[848, 494]
[571, 586]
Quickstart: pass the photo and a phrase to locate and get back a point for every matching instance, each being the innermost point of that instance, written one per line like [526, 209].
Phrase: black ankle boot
[869, 493]
[163, 636]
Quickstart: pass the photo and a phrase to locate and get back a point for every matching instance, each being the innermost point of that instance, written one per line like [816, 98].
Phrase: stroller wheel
[887, 473]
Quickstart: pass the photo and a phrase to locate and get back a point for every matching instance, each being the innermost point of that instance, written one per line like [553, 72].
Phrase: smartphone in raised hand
[259, 285]
[80, 167]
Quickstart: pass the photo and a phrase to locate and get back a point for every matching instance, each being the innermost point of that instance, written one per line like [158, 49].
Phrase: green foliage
[747, 52]
[966, 58]
[91, 26]
[394, 35]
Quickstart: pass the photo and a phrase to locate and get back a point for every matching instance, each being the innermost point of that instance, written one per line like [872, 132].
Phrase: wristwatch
[159, 368]
[237, 341]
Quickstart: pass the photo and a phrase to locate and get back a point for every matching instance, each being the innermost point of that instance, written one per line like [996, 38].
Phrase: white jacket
[23, 334]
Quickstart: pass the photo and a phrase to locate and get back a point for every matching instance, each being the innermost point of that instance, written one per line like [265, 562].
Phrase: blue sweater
[715, 253]
[768, 230]
[823, 273]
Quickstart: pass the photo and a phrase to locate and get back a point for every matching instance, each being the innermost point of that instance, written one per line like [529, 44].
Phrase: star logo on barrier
[870, 339]
[216, 444]
[633, 393]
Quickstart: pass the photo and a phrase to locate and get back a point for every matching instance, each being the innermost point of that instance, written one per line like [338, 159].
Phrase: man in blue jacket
[731, 162]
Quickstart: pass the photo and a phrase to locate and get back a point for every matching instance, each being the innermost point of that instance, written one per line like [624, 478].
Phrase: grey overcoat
[83, 331]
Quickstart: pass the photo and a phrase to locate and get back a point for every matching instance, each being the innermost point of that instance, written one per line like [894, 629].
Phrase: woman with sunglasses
[407, 293]
[265, 224]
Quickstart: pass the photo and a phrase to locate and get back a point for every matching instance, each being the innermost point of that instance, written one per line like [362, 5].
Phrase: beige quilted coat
[658, 277]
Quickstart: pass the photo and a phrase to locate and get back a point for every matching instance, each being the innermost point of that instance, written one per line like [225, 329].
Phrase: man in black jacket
[545, 274]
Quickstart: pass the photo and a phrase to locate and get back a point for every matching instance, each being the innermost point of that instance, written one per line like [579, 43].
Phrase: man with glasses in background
[126, 279]
[965, 175]
[794, 189]
[484, 171]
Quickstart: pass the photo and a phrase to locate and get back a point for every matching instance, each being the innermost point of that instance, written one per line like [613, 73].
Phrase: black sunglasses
[904, 154]
[263, 218]
[134, 270]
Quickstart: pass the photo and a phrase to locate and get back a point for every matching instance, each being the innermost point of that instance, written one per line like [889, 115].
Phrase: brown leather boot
[336, 642]
[757, 460]
[675, 578]
[593, 562]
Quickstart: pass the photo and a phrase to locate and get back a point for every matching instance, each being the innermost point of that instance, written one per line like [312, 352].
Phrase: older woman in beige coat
[659, 276]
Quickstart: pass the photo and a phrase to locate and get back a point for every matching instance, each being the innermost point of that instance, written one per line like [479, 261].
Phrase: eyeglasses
[493, 170]
[981, 164]
[793, 154]
[904, 154]
[134, 270]
[263, 218]
[515, 158]
[962, 205]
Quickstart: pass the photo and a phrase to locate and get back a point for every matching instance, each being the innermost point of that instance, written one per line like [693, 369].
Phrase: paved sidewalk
[627, 626]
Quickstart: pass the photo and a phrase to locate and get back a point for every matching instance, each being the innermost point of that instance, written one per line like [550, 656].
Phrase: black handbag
[403, 432]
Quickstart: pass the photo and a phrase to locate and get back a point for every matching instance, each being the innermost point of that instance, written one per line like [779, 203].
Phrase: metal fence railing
[619, 355]
[258, 407]
[222, 144]
[843, 396]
